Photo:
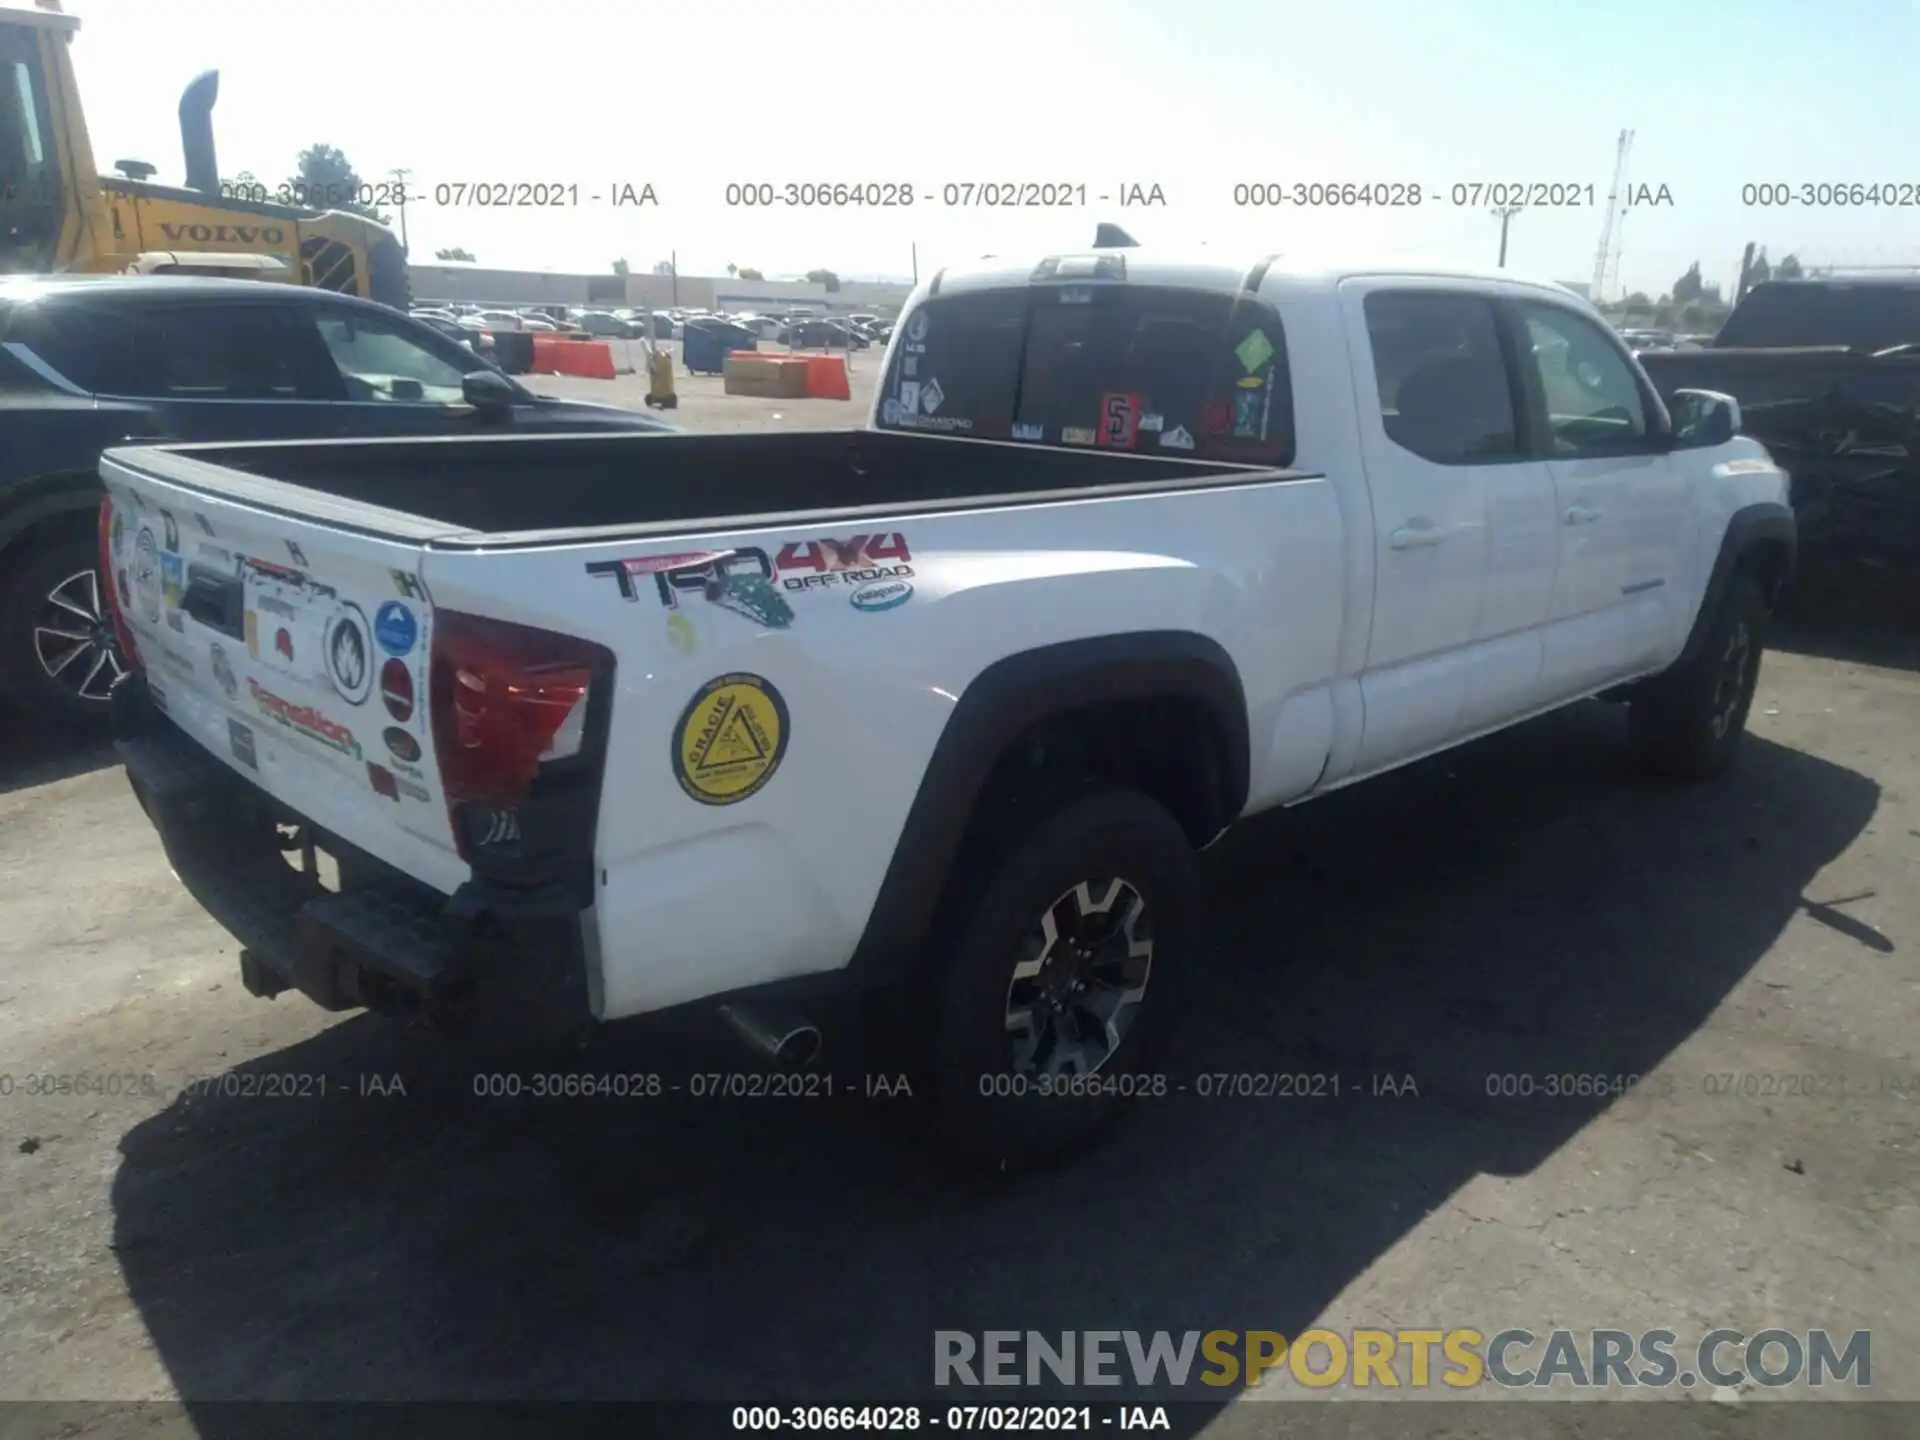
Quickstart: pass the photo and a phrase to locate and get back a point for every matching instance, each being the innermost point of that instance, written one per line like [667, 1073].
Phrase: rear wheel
[1059, 992]
[56, 635]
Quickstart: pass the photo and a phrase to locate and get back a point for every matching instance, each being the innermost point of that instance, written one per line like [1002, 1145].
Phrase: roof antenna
[1112, 237]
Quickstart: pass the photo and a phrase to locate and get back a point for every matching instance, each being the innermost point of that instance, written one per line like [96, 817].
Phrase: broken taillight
[506, 699]
[111, 583]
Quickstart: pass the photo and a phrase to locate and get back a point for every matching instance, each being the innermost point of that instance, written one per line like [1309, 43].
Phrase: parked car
[599, 322]
[89, 362]
[824, 334]
[1827, 373]
[499, 319]
[1299, 529]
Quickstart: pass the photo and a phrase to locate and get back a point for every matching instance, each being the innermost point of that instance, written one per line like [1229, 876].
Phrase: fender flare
[1004, 701]
[1765, 523]
[46, 496]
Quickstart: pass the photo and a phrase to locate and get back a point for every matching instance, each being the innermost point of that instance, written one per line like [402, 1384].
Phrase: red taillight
[504, 699]
[109, 581]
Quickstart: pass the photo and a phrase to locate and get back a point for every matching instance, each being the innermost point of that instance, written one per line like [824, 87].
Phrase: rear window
[1156, 370]
[1866, 317]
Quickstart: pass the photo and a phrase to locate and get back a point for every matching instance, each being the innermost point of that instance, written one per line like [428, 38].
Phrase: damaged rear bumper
[380, 941]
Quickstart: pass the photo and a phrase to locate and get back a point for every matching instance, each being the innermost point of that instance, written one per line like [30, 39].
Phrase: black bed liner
[451, 492]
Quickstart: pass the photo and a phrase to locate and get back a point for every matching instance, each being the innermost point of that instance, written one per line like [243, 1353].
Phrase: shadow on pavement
[1852, 612]
[36, 754]
[1519, 906]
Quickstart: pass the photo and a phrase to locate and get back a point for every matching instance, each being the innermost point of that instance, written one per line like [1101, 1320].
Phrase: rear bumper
[381, 941]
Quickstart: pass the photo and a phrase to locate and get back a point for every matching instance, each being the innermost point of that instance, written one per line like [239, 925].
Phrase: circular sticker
[146, 575]
[396, 689]
[395, 628]
[403, 745]
[890, 411]
[917, 327]
[730, 739]
[348, 646]
[173, 530]
[884, 595]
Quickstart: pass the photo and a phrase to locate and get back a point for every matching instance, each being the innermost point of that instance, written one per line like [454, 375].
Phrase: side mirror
[489, 392]
[1704, 417]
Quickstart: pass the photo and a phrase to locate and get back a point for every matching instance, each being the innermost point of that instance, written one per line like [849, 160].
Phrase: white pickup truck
[940, 710]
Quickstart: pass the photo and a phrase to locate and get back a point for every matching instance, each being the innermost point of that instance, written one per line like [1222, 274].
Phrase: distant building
[462, 282]
[1582, 288]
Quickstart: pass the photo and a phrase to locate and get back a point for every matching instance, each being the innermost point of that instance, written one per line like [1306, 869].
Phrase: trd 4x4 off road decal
[738, 580]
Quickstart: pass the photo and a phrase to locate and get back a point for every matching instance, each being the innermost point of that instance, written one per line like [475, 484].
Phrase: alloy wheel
[1730, 685]
[1079, 979]
[73, 639]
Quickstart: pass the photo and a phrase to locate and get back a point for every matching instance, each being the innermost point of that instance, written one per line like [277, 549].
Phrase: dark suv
[87, 362]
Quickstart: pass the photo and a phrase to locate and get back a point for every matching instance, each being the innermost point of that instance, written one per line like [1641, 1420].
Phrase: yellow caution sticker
[730, 739]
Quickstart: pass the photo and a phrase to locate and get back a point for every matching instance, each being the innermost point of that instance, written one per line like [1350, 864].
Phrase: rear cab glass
[1142, 368]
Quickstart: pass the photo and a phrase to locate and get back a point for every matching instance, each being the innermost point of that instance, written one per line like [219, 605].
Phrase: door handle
[1582, 515]
[1412, 537]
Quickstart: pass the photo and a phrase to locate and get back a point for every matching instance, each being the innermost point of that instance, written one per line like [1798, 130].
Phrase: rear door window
[1140, 368]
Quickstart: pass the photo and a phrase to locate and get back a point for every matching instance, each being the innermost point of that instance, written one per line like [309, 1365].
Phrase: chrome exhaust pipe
[787, 1040]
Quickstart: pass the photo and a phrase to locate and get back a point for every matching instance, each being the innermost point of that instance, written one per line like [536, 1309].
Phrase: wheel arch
[1087, 686]
[1760, 540]
[59, 497]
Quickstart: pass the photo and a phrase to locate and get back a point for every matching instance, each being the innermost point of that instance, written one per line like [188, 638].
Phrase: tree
[244, 186]
[1693, 317]
[326, 180]
[1789, 268]
[732, 269]
[1761, 271]
[454, 252]
[1663, 314]
[747, 272]
[824, 277]
[620, 267]
[1637, 303]
[1687, 287]
[663, 267]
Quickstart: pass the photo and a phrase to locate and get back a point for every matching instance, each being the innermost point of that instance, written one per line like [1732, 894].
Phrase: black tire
[1088, 844]
[28, 647]
[1687, 723]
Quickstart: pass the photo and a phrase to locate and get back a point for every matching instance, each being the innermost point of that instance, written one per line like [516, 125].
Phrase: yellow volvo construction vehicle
[58, 213]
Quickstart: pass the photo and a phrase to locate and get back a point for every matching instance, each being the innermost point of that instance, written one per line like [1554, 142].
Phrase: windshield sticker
[935, 422]
[910, 366]
[931, 395]
[909, 397]
[1247, 406]
[1218, 418]
[1255, 350]
[1119, 420]
[890, 411]
[1176, 439]
[1076, 435]
[917, 327]
[1152, 423]
[1029, 432]
[1077, 295]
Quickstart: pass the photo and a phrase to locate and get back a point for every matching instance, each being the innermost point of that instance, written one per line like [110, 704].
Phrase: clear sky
[1191, 95]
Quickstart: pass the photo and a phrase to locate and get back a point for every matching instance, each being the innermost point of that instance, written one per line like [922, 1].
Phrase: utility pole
[400, 178]
[1504, 214]
[916, 262]
[673, 270]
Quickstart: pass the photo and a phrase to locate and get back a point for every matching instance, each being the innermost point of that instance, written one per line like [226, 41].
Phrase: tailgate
[295, 652]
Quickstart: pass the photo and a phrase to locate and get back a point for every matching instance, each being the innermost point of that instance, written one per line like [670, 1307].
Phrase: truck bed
[481, 489]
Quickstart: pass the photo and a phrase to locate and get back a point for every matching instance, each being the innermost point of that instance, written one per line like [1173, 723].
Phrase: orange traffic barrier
[566, 355]
[827, 378]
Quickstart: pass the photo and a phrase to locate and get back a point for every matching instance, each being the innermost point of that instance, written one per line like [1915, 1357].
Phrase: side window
[1593, 401]
[213, 352]
[378, 361]
[1444, 389]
